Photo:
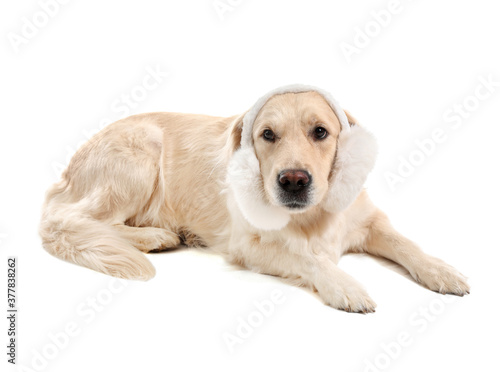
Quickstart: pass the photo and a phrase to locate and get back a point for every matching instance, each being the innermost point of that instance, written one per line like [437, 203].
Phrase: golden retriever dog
[278, 190]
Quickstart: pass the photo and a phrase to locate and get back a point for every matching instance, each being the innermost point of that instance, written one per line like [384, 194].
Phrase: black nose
[293, 180]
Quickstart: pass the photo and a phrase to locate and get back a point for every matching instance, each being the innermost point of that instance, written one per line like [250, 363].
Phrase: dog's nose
[294, 180]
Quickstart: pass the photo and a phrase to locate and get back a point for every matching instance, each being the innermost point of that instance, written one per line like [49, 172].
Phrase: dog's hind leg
[112, 178]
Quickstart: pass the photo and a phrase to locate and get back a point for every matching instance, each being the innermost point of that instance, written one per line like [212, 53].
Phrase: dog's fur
[153, 181]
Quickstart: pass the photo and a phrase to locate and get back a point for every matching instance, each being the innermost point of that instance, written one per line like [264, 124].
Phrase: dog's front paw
[440, 277]
[348, 296]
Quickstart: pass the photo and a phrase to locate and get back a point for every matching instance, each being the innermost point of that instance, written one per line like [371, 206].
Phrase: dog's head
[298, 150]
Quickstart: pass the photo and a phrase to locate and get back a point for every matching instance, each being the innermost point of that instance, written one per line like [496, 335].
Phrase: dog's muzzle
[294, 186]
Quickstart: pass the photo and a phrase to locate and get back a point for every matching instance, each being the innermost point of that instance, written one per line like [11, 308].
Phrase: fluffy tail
[70, 233]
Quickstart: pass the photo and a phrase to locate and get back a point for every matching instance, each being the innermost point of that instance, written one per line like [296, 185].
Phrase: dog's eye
[320, 133]
[269, 135]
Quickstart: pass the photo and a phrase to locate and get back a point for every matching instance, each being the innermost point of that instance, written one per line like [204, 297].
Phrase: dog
[277, 189]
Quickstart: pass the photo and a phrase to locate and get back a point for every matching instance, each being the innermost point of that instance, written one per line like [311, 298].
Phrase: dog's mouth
[295, 206]
[295, 201]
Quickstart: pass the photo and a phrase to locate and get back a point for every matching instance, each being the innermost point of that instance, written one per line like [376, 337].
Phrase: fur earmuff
[356, 155]
[245, 182]
[355, 158]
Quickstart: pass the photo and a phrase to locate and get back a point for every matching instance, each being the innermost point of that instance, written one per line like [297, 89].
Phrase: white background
[65, 80]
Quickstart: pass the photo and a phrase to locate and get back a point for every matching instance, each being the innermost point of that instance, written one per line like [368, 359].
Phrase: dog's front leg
[312, 266]
[430, 271]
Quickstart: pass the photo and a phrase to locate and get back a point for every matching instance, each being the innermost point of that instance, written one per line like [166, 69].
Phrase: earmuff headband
[251, 115]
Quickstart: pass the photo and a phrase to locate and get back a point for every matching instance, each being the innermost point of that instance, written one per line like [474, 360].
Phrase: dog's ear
[351, 119]
[235, 128]
[355, 158]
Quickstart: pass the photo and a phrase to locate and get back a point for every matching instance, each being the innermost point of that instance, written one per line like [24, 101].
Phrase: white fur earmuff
[356, 154]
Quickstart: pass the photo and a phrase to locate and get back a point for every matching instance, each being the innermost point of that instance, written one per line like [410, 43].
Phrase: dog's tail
[71, 233]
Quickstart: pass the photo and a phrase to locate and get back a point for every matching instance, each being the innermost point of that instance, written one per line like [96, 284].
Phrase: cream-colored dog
[277, 190]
